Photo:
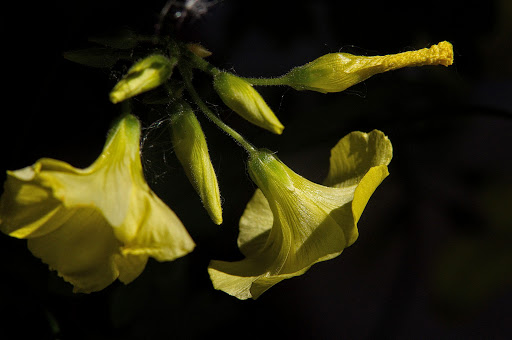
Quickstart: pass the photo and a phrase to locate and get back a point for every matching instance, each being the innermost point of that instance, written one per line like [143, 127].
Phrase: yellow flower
[143, 76]
[97, 224]
[336, 72]
[242, 98]
[291, 223]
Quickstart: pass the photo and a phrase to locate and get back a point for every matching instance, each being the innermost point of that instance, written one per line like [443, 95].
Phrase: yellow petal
[30, 210]
[355, 154]
[108, 181]
[130, 266]
[82, 253]
[158, 231]
[255, 224]
[366, 187]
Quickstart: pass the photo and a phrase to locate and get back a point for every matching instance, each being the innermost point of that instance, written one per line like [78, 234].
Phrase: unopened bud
[242, 98]
[143, 76]
[190, 147]
[199, 50]
[336, 72]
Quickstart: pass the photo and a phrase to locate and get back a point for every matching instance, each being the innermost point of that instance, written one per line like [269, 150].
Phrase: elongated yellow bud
[242, 98]
[143, 76]
[190, 147]
[336, 72]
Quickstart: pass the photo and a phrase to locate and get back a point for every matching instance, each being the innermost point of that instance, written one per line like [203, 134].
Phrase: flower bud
[145, 75]
[199, 50]
[192, 152]
[336, 72]
[242, 98]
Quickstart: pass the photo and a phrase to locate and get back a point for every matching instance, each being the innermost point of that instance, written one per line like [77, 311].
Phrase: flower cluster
[102, 223]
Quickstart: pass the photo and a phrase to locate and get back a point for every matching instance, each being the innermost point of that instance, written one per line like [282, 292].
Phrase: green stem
[267, 81]
[211, 116]
[201, 64]
[198, 62]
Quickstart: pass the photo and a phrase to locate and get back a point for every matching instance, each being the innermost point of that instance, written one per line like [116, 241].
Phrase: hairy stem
[210, 115]
[266, 81]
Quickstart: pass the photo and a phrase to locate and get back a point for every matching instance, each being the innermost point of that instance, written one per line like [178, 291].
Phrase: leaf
[123, 39]
[99, 57]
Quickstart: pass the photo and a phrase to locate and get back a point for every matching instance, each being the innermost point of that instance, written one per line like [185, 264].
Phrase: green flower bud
[199, 50]
[336, 72]
[190, 147]
[145, 75]
[242, 98]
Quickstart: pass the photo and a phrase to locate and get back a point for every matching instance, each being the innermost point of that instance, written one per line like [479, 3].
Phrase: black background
[434, 256]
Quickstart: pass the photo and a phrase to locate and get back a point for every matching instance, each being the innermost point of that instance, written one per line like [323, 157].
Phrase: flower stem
[266, 81]
[198, 62]
[201, 64]
[210, 115]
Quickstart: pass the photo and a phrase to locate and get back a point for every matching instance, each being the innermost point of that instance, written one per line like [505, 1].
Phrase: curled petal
[82, 253]
[355, 154]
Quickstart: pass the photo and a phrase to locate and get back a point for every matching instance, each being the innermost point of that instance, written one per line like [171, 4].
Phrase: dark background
[434, 256]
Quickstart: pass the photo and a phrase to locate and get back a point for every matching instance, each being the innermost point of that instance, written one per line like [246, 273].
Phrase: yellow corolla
[97, 224]
[291, 223]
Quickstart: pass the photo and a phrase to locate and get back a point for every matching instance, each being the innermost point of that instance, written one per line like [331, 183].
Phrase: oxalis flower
[291, 223]
[97, 224]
